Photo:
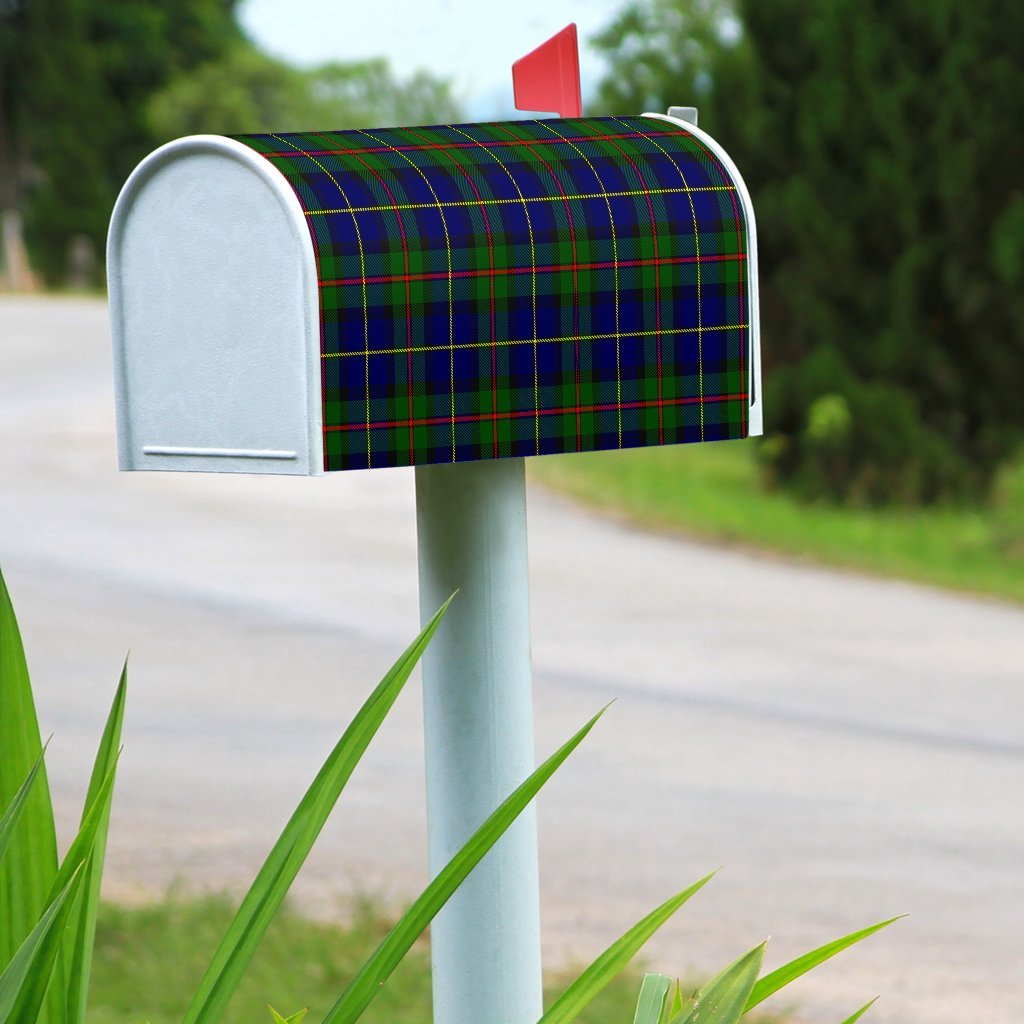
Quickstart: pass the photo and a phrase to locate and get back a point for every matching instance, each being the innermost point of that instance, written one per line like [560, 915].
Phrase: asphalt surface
[845, 748]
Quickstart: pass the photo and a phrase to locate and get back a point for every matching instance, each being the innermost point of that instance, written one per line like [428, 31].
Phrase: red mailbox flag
[548, 78]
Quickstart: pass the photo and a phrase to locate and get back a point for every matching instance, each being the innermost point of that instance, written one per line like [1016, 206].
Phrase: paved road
[846, 748]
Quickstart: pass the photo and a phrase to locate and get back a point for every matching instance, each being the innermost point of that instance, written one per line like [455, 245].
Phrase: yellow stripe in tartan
[615, 258]
[533, 279]
[362, 274]
[537, 341]
[572, 235]
[448, 247]
[524, 199]
[696, 244]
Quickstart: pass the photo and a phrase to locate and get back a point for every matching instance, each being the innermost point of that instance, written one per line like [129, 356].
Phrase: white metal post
[478, 720]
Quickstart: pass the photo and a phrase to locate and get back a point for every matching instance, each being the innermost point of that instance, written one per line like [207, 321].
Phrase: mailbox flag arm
[548, 78]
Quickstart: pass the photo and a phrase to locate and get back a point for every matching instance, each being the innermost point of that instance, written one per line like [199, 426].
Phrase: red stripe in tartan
[516, 414]
[323, 347]
[467, 145]
[536, 170]
[657, 285]
[742, 290]
[408, 295]
[575, 289]
[552, 268]
[494, 337]
[742, 294]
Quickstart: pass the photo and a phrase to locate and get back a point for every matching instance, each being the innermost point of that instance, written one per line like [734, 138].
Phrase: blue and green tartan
[522, 288]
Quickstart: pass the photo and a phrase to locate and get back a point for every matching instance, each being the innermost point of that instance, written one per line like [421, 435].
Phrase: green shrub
[1008, 508]
[834, 435]
[890, 218]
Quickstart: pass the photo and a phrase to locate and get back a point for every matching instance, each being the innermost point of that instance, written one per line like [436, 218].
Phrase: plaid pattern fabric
[522, 288]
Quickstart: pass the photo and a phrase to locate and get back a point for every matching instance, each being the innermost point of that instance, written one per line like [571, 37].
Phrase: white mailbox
[215, 316]
[340, 300]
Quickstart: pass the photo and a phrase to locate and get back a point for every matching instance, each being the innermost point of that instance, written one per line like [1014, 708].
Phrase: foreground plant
[48, 910]
[724, 1000]
[735, 991]
[295, 1018]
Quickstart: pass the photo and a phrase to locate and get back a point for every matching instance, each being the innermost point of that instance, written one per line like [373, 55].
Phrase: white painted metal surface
[214, 315]
[478, 720]
[756, 410]
[688, 114]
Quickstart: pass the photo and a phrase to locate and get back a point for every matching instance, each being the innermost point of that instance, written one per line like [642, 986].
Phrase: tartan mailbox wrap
[523, 288]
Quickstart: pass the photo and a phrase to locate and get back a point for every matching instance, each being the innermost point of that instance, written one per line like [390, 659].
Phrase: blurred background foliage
[877, 138]
[246, 87]
[89, 87]
[880, 141]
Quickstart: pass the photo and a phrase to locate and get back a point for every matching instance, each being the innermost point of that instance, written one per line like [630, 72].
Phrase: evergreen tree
[879, 142]
[88, 87]
[249, 91]
[75, 80]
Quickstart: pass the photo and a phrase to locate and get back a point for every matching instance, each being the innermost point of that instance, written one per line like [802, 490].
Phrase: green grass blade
[28, 870]
[295, 1018]
[595, 977]
[853, 1018]
[17, 805]
[282, 864]
[83, 845]
[651, 1003]
[771, 983]
[73, 866]
[723, 1000]
[368, 980]
[82, 930]
[675, 1006]
[24, 981]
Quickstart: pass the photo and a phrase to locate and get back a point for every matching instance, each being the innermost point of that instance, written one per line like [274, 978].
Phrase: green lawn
[150, 958]
[712, 491]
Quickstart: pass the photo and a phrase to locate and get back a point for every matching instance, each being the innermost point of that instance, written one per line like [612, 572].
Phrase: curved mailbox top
[506, 289]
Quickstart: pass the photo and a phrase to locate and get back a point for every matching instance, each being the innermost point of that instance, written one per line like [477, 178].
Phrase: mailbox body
[296, 303]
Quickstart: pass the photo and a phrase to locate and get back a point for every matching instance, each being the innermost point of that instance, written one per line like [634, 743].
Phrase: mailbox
[300, 303]
[297, 303]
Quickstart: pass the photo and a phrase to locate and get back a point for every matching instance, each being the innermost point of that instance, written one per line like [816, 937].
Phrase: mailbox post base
[478, 720]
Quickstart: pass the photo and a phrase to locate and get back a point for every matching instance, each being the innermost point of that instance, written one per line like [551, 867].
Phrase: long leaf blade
[13, 813]
[289, 852]
[372, 975]
[854, 1017]
[675, 1006]
[84, 843]
[73, 866]
[295, 1018]
[782, 976]
[26, 976]
[651, 1002]
[28, 870]
[595, 977]
[723, 1000]
[82, 930]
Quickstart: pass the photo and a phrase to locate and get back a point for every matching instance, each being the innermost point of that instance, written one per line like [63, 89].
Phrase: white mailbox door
[215, 316]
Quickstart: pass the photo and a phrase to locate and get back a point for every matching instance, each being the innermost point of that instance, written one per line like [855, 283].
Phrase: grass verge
[149, 959]
[712, 491]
